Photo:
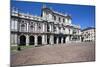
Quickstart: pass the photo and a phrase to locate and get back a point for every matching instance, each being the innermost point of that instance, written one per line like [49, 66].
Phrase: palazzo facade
[48, 29]
[88, 34]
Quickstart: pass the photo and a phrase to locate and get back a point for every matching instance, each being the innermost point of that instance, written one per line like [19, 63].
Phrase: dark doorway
[64, 38]
[48, 39]
[59, 39]
[82, 39]
[22, 40]
[39, 40]
[31, 40]
[55, 39]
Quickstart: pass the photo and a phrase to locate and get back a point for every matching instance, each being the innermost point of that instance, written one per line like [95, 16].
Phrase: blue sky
[83, 15]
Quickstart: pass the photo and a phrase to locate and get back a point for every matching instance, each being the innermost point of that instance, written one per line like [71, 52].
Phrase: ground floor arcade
[42, 39]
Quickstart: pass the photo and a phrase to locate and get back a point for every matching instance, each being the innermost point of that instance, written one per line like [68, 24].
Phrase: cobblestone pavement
[61, 53]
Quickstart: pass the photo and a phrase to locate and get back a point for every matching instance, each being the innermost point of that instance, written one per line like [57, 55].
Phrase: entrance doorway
[55, 39]
[59, 39]
[22, 40]
[39, 40]
[31, 40]
[48, 39]
[64, 38]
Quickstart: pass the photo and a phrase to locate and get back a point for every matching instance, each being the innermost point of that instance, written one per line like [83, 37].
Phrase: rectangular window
[59, 19]
[63, 20]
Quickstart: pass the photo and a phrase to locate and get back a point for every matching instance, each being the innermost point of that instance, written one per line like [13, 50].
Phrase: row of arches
[59, 40]
[39, 40]
[31, 40]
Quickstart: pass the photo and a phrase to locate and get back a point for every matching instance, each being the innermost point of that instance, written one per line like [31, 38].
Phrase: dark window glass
[63, 20]
[59, 19]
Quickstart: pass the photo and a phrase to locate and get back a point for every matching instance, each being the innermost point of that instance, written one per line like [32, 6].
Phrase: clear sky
[82, 15]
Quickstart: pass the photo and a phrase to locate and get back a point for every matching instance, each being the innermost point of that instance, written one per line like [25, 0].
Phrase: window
[59, 19]
[63, 20]
[63, 28]
[59, 28]
[54, 17]
[39, 26]
[54, 28]
[31, 28]
[69, 31]
[22, 27]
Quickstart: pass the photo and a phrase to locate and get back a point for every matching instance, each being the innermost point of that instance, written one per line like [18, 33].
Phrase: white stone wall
[13, 39]
[13, 24]
[25, 26]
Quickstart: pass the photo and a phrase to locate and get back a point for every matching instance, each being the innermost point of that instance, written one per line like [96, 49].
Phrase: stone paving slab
[50, 54]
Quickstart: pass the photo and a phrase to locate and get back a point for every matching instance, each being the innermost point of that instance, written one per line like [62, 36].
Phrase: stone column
[15, 39]
[43, 28]
[62, 40]
[51, 39]
[35, 40]
[67, 39]
[27, 26]
[27, 40]
[18, 40]
[80, 38]
[43, 39]
[35, 27]
[50, 27]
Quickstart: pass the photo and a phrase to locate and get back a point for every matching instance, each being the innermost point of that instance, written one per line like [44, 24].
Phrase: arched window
[39, 26]
[22, 27]
[63, 20]
[54, 28]
[31, 28]
[59, 19]
[22, 40]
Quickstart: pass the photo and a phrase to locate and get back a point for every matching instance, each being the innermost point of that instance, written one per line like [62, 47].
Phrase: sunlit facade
[50, 28]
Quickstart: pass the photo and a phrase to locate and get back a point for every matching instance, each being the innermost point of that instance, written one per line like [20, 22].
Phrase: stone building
[88, 34]
[50, 28]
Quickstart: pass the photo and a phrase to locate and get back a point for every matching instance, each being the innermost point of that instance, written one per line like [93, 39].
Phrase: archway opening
[31, 40]
[39, 40]
[59, 39]
[22, 40]
[55, 39]
[48, 39]
[64, 39]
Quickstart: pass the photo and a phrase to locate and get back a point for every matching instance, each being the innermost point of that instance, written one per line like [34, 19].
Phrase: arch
[64, 38]
[22, 40]
[39, 40]
[59, 39]
[48, 39]
[55, 39]
[31, 40]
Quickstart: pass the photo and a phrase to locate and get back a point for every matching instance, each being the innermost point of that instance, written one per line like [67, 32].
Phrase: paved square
[61, 53]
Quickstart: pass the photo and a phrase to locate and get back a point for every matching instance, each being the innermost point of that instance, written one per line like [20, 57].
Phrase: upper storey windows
[59, 19]
[54, 17]
[50, 15]
[63, 20]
